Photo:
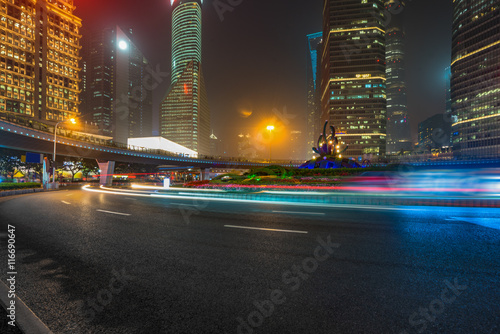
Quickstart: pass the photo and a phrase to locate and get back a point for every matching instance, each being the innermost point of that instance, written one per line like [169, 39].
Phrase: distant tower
[475, 84]
[398, 129]
[353, 88]
[313, 82]
[184, 112]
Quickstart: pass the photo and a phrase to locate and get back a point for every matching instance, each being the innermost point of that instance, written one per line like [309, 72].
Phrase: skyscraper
[434, 133]
[313, 81]
[398, 129]
[40, 46]
[475, 84]
[353, 88]
[114, 85]
[184, 112]
[447, 80]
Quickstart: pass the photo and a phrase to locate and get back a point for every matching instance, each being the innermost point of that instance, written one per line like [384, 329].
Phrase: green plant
[13, 186]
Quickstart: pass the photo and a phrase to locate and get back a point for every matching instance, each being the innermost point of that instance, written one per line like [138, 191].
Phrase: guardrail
[32, 124]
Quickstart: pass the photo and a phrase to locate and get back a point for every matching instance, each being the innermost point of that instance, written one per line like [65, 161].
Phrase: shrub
[14, 186]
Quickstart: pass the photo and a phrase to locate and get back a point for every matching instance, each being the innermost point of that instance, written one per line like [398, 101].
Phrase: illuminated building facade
[313, 81]
[398, 128]
[297, 149]
[353, 83]
[184, 112]
[115, 82]
[475, 83]
[434, 133]
[39, 65]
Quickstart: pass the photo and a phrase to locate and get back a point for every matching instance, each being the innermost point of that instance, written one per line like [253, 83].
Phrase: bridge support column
[205, 174]
[107, 170]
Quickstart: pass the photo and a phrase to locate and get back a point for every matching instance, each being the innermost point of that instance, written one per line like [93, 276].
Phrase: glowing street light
[270, 128]
[72, 121]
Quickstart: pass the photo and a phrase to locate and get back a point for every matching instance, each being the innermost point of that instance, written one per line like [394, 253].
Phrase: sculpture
[330, 153]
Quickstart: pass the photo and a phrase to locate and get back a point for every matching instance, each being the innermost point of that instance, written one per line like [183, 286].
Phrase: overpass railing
[93, 139]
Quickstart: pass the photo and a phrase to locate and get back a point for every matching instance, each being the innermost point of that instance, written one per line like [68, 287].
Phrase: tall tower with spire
[184, 112]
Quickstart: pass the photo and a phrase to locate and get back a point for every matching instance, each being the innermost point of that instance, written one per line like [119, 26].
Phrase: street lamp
[270, 128]
[73, 121]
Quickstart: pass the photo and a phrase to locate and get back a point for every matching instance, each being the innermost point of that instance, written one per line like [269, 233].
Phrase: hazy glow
[123, 45]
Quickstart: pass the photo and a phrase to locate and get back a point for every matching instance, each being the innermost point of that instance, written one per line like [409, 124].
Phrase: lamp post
[73, 121]
[270, 128]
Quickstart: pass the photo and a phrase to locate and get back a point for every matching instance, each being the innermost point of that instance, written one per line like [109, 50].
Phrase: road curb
[28, 322]
[20, 191]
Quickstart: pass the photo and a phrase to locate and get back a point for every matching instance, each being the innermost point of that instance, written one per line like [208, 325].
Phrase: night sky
[255, 59]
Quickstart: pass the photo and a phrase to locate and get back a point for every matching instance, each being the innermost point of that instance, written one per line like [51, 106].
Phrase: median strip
[115, 213]
[265, 229]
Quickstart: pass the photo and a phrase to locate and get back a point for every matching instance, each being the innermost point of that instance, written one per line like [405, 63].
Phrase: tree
[9, 162]
[90, 166]
[73, 165]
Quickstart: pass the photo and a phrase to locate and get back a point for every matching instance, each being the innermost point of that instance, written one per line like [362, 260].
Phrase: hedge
[13, 186]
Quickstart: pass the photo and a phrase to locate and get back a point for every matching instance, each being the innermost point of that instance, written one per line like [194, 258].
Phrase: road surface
[104, 263]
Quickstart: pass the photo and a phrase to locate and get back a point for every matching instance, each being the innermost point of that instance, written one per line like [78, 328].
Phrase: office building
[475, 84]
[398, 128]
[184, 112]
[314, 46]
[115, 81]
[353, 82]
[39, 49]
[434, 133]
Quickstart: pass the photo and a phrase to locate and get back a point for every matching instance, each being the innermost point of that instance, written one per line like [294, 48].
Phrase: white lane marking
[265, 229]
[66, 202]
[115, 213]
[301, 213]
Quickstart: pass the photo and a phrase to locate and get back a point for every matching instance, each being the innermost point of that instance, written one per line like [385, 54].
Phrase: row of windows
[17, 81]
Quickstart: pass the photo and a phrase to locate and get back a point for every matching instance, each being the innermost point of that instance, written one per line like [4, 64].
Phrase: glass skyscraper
[313, 81]
[114, 85]
[475, 84]
[184, 112]
[353, 83]
[398, 128]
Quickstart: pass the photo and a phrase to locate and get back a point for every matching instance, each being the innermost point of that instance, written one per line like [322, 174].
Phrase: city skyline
[260, 93]
[238, 166]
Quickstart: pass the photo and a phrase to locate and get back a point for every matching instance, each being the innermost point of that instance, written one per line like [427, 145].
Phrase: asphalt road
[103, 263]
